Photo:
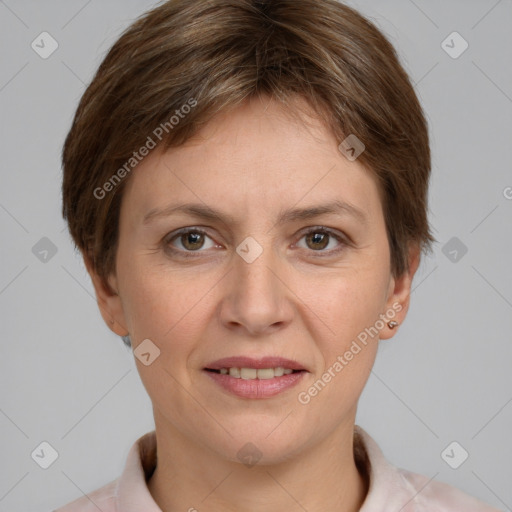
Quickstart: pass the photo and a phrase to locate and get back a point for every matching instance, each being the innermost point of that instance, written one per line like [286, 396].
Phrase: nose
[257, 300]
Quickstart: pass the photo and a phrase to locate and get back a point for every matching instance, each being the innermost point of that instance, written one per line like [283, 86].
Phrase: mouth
[254, 373]
[255, 378]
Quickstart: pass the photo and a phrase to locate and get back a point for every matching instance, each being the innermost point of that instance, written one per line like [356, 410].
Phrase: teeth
[248, 373]
[265, 373]
[234, 372]
[254, 373]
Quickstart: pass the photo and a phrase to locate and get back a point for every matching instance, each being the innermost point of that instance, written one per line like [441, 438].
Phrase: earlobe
[109, 301]
[399, 296]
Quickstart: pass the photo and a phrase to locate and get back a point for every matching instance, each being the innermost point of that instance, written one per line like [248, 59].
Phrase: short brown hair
[219, 53]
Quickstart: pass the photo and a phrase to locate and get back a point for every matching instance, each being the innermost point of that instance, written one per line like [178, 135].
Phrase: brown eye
[192, 240]
[324, 241]
[317, 240]
[189, 240]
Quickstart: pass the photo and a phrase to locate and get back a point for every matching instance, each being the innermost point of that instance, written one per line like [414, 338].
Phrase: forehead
[253, 158]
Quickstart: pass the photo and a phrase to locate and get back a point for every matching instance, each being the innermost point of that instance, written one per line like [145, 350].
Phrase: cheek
[162, 308]
[169, 307]
[350, 308]
[347, 302]
[158, 305]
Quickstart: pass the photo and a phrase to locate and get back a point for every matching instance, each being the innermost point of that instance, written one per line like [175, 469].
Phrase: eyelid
[343, 239]
[189, 229]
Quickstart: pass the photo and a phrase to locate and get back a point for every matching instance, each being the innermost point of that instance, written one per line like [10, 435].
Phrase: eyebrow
[294, 214]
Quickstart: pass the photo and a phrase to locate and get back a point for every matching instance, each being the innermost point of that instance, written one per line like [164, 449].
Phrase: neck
[188, 477]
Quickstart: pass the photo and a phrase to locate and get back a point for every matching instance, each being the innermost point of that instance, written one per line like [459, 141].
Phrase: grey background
[66, 379]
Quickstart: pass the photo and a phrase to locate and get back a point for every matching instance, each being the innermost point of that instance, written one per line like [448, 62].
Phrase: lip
[249, 362]
[256, 388]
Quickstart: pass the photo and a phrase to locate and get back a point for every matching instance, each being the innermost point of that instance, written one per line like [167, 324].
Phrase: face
[283, 259]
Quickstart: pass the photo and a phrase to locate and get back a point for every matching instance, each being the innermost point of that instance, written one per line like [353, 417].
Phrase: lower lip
[256, 388]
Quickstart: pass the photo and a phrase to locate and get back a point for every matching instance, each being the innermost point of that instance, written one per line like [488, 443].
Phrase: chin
[260, 442]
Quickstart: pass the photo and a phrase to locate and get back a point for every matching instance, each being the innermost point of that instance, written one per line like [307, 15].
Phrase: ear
[399, 294]
[108, 300]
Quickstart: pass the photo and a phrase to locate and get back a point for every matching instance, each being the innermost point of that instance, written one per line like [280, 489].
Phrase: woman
[247, 182]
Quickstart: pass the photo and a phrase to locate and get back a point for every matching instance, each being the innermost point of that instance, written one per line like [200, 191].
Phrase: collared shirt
[391, 489]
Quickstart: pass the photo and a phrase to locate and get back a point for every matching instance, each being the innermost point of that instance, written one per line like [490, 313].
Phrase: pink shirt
[391, 488]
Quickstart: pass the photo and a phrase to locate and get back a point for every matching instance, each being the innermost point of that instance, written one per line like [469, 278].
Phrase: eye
[319, 238]
[190, 240]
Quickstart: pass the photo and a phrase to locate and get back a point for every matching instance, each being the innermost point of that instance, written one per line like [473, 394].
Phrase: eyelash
[192, 254]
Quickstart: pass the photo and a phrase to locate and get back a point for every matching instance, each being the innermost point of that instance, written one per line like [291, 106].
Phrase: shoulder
[103, 499]
[431, 495]
[129, 491]
[394, 488]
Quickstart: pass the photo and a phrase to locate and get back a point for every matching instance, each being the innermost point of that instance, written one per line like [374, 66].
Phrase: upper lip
[249, 362]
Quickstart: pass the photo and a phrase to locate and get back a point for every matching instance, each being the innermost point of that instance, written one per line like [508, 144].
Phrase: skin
[251, 164]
